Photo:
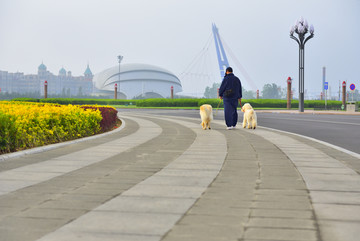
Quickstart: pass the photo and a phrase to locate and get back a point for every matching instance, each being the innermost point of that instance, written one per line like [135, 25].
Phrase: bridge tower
[222, 59]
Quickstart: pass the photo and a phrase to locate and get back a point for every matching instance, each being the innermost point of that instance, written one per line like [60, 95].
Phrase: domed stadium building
[135, 81]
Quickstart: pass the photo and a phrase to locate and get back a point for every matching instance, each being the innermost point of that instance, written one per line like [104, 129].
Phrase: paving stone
[98, 236]
[52, 213]
[286, 223]
[206, 232]
[280, 213]
[280, 234]
[341, 212]
[335, 197]
[334, 230]
[281, 204]
[148, 205]
[122, 222]
[8, 233]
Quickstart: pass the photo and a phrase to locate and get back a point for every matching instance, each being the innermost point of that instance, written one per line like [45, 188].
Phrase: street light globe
[311, 29]
[296, 23]
[301, 20]
[301, 29]
[306, 25]
[292, 30]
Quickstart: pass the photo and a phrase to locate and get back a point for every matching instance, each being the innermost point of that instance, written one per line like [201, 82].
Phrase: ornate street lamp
[301, 28]
[119, 58]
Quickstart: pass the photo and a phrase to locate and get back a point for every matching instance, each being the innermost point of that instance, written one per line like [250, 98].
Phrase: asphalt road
[339, 130]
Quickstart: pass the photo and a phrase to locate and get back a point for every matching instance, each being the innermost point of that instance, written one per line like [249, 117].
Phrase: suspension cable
[240, 67]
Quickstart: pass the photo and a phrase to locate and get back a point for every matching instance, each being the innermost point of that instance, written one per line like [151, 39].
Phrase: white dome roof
[136, 76]
[102, 79]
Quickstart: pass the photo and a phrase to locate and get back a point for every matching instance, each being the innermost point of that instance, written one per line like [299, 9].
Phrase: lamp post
[119, 59]
[301, 28]
[344, 94]
[288, 94]
[45, 89]
[115, 91]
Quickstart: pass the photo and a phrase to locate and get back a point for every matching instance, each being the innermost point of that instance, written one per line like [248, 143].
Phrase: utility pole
[119, 59]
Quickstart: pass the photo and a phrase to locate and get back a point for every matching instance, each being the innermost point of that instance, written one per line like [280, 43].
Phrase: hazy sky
[171, 33]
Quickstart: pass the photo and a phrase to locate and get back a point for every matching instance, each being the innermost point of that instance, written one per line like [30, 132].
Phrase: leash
[218, 107]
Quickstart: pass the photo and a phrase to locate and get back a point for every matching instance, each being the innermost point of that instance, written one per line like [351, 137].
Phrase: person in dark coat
[231, 93]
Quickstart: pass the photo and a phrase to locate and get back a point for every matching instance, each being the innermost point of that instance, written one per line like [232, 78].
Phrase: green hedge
[74, 101]
[167, 103]
[256, 103]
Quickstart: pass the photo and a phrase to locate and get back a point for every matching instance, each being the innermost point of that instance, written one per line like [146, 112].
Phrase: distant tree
[248, 94]
[9, 96]
[271, 91]
[283, 94]
[211, 92]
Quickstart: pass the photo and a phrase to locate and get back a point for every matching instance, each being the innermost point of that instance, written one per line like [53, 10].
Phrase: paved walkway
[164, 178]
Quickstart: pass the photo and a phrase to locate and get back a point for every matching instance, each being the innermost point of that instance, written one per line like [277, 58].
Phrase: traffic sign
[352, 87]
[326, 85]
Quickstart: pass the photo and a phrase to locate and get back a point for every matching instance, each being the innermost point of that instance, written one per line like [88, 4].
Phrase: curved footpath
[164, 178]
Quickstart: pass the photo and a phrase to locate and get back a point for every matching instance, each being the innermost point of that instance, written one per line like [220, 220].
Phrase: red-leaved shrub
[109, 116]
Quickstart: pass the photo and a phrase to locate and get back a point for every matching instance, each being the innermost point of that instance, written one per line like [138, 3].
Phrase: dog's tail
[251, 114]
[211, 116]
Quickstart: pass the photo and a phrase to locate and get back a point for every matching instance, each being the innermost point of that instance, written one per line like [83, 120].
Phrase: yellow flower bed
[25, 125]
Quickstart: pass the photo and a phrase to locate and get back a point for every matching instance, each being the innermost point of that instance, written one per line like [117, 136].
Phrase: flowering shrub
[109, 116]
[25, 125]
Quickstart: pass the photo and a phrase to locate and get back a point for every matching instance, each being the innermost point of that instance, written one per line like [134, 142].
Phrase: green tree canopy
[271, 91]
[248, 94]
[211, 92]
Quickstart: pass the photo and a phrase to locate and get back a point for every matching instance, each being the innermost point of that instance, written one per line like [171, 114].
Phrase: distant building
[63, 84]
[136, 81]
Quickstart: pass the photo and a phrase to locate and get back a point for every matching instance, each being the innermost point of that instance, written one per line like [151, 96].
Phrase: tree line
[270, 91]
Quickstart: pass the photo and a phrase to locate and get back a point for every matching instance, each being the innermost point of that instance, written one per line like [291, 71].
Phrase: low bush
[26, 125]
[75, 101]
[256, 103]
[23, 99]
[7, 133]
[108, 114]
[161, 102]
[213, 102]
[167, 102]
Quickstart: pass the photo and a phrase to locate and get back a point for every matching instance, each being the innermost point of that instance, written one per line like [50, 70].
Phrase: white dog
[249, 116]
[206, 115]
